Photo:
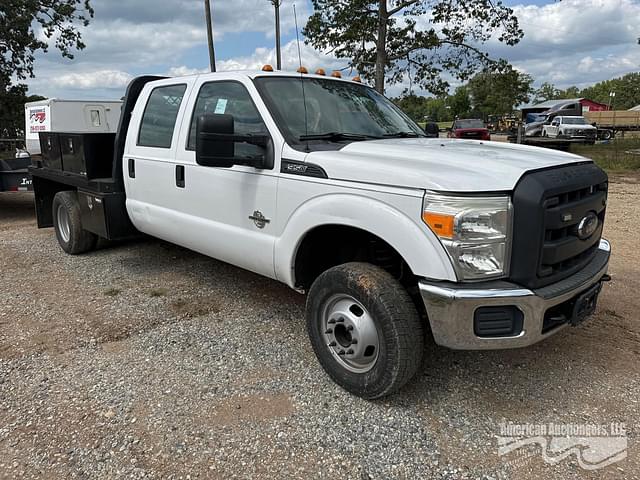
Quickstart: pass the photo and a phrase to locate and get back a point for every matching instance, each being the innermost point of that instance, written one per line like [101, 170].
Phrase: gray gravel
[145, 360]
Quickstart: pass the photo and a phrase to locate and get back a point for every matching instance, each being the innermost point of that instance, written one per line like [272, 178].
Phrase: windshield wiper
[338, 136]
[402, 135]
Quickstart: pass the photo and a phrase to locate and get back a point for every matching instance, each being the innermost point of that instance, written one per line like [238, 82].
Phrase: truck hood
[438, 164]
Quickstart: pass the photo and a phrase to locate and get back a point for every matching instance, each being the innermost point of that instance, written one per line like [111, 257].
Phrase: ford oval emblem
[587, 226]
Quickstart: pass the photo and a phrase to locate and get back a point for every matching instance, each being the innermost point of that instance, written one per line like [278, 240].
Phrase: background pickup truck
[323, 184]
[570, 127]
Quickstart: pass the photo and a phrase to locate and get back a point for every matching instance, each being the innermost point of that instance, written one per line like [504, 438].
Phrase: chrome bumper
[451, 307]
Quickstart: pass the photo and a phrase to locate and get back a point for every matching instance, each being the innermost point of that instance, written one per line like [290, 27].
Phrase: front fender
[413, 240]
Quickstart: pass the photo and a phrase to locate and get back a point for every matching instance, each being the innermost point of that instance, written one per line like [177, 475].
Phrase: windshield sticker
[221, 106]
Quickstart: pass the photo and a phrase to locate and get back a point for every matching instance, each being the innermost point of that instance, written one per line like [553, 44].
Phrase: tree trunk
[381, 46]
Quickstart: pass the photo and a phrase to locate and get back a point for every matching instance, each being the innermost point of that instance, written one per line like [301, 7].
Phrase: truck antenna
[301, 70]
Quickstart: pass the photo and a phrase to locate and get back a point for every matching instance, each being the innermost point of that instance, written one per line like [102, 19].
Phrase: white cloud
[94, 79]
[576, 42]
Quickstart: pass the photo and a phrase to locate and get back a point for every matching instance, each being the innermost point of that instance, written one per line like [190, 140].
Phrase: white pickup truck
[323, 184]
[571, 127]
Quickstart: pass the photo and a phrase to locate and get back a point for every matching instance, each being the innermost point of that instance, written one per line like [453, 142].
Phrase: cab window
[233, 99]
[159, 117]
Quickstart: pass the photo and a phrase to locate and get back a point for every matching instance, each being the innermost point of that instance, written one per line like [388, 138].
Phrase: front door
[227, 213]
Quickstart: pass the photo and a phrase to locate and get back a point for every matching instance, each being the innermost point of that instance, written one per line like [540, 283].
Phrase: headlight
[474, 230]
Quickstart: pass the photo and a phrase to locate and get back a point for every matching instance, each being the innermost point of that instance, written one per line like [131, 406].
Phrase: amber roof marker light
[267, 68]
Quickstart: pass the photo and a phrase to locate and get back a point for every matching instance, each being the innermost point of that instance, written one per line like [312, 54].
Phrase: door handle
[180, 176]
[132, 168]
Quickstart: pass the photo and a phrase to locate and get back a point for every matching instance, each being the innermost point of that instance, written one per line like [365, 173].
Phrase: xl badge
[587, 226]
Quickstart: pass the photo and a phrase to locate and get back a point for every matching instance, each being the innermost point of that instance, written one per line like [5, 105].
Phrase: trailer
[611, 122]
[59, 115]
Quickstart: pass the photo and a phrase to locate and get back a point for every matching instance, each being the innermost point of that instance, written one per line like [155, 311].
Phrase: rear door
[149, 159]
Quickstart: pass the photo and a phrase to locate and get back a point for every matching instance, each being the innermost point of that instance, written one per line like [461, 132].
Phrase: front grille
[475, 135]
[549, 206]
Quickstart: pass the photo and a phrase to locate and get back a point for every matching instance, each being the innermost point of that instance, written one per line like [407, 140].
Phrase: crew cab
[470, 129]
[570, 127]
[323, 184]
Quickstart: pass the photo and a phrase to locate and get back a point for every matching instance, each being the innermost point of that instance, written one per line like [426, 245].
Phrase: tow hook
[606, 278]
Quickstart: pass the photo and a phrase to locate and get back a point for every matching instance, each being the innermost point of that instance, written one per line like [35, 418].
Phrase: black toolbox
[86, 154]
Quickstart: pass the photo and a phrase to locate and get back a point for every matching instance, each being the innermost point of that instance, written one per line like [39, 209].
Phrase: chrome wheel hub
[350, 333]
[63, 223]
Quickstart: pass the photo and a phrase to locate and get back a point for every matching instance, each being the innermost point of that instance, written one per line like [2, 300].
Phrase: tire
[73, 239]
[365, 298]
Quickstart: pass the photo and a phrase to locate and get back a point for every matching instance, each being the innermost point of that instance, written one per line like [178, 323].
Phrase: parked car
[471, 129]
[324, 185]
[570, 127]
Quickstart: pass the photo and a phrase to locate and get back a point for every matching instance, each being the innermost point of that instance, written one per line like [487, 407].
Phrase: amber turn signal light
[442, 225]
[302, 70]
[267, 68]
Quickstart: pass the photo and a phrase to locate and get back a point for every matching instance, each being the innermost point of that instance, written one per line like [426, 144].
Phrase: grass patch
[112, 292]
[621, 155]
[158, 292]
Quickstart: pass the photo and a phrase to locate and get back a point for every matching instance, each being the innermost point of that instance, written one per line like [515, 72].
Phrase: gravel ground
[145, 360]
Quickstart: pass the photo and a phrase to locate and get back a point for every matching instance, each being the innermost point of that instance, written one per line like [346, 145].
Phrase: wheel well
[45, 190]
[330, 245]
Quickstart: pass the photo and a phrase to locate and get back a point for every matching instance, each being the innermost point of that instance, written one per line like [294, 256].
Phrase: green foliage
[22, 24]
[12, 110]
[627, 89]
[385, 40]
[498, 93]
[460, 102]
[26, 26]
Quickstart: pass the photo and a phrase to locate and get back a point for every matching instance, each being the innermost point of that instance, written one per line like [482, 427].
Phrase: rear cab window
[160, 114]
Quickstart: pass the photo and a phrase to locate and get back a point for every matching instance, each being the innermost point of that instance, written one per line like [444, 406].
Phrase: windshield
[468, 124]
[574, 121]
[335, 111]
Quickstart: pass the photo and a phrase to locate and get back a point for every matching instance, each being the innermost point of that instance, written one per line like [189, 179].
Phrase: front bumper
[451, 307]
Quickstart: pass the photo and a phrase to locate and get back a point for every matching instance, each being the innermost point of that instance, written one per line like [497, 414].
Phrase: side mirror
[215, 143]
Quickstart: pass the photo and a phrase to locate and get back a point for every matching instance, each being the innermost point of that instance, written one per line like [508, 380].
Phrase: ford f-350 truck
[323, 184]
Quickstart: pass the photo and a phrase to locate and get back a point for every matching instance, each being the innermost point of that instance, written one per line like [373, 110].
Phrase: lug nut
[329, 330]
[340, 320]
[350, 351]
[350, 328]
[341, 352]
[354, 341]
[332, 344]
[332, 321]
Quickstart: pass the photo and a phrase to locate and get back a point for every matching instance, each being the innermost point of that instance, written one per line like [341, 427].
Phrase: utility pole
[276, 5]
[212, 53]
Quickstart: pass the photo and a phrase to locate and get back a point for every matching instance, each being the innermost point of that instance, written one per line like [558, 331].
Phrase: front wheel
[364, 329]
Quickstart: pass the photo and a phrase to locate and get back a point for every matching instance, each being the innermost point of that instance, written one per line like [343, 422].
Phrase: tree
[460, 102]
[12, 111]
[627, 89]
[23, 21]
[388, 39]
[547, 91]
[499, 93]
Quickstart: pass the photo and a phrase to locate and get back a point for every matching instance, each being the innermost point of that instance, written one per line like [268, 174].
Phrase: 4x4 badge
[259, 219]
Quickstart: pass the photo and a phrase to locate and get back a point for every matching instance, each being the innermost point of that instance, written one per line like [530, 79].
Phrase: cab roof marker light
[267, 68]
[320, 71]
[302, 70]
[336, 74]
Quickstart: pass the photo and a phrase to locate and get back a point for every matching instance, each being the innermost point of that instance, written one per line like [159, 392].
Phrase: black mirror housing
[214, 147]
[215, 142]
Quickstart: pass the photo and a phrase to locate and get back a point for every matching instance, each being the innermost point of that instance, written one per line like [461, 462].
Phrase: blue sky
[572, 42]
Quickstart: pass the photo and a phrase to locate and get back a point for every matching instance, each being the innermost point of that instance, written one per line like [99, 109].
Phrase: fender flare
[414, 241]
